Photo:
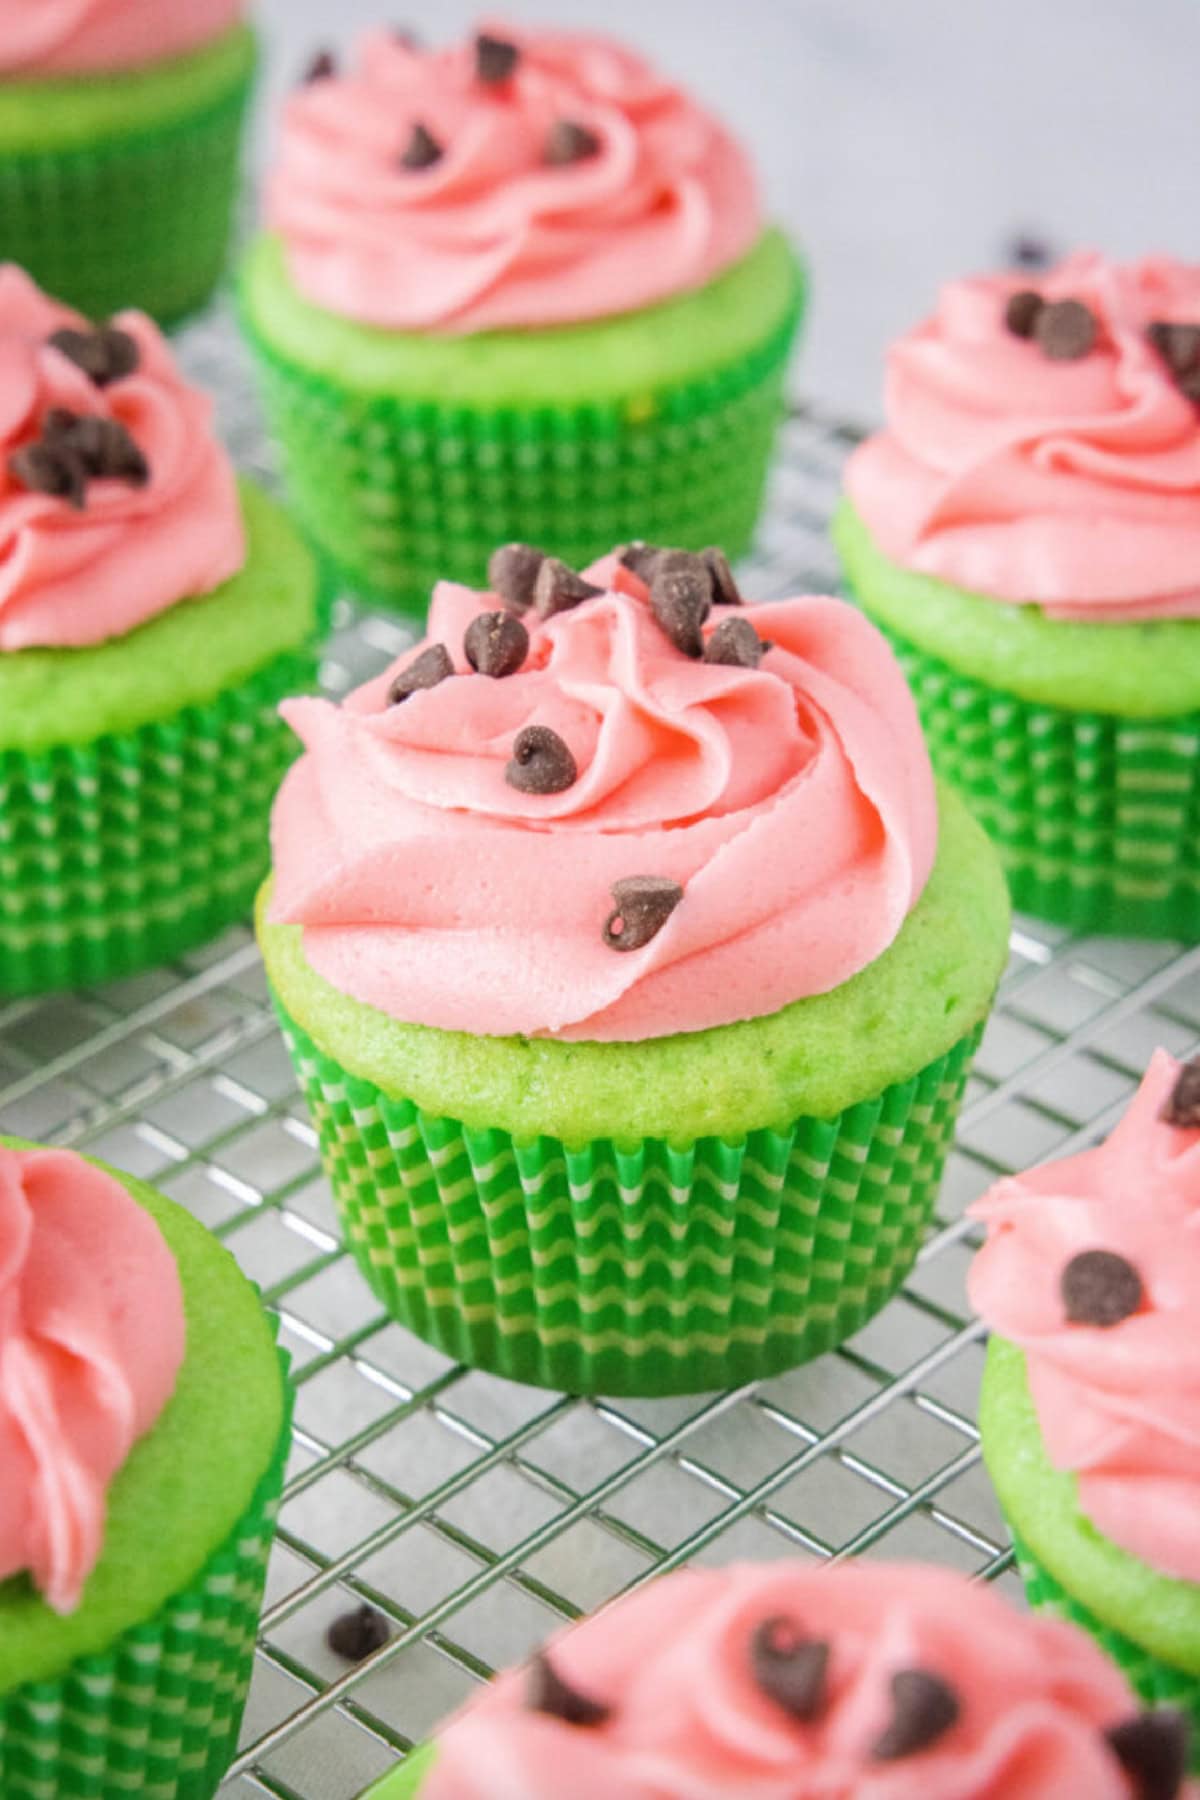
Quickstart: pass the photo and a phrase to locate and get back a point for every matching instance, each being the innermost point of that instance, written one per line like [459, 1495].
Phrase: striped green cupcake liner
[644, 1268]
[127, 851]
[400, 493]
[136, 219]
[158, 1714]
[1096, 817]
[1158, 1683]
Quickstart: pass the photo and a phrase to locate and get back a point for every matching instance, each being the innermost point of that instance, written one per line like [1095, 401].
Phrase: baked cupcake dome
[142, 1476]
[530, 297]
[1027, 530]
[120, 127]
[152, 614]
[1089, 1415]
[863, 1681]
[632, 990]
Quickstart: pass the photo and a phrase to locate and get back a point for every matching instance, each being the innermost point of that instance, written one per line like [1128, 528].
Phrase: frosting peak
[88, 559]
[791, 804]
[419, 193]
[1061, 477]
[1118, 1403]
[75, 37]
[91, 1341]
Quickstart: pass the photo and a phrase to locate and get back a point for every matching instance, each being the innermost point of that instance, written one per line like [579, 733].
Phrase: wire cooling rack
[476, 1515]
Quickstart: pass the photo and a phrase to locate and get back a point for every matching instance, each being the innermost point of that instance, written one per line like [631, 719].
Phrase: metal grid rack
[477, 1515]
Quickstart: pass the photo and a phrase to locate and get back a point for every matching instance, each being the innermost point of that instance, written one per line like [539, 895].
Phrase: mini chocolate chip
[356, 1634]
[681, 597]
[558, 588]
[567, 142]
[422, 151]
[736, 642]
[1065, 330]
[512, 572]
[1189, 385]
[321, 66]
[105, 447]
[50, 469]
[790, 1668]
[1183, 1106]
[496, 644]
[1178, 345]
[495, 59]
[1022, 312]
[644, 903]
[639, 558]
[1098, 1287]
[123, 355]
[924, 1708]
[1152, 1747]
[724, 584]
[425, 671]
[541, 763]
[547, 1692]
[104, 355]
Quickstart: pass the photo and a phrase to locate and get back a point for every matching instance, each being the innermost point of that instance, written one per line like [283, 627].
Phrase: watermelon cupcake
[517, 289]
[1090, 1415]
[784, 1681]
[120, 130]
[632, 967]
[1026, 528]
[143, 1429]
[152, 615]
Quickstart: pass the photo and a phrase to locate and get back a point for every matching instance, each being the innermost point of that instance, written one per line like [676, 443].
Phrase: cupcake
[143, 1430]
[120, 125]
[785, 1681]
[152, 614]
[1026, 529]
[631, 967]
[1090, 1415]
[523, 289]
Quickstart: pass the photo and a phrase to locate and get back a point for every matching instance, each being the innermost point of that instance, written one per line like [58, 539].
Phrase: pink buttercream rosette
[90, 37]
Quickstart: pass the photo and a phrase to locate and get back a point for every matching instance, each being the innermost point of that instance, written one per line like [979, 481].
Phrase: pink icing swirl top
[77, 37]
[687, 1719]
[73, 577]
[1118, 1405]
[490, 235]
[1074, 485]
[91, 1342]
[794, 804]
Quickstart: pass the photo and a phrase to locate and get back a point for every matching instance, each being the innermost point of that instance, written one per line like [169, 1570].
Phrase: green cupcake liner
[140, 218]
[400, 494]
[127, 851]
[405, 1782]
[1096, 818]
[633, 1268]
[158, 1714]
[1157, 1682]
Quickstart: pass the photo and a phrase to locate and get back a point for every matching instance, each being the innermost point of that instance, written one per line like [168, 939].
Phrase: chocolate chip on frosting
[496, 644]
[495, 59]
[789, 1667]
[321, 66]
[736, 642]
[354, 1635]
[547, 1692]
[104, 446]
[541, 762]
[924, 1708]
[512, 572]
[644, 903]
[106, 354]
[557, 588]
[422, 149]
[1065, 330]
[1099, 1287]
[1179, 347]
[44, 469]
[568, 142]
[1183, 1105]
[425, 671]
[639, 558]
[725, 590]
[1152, 1748]
[1022, 312]
[681, 598]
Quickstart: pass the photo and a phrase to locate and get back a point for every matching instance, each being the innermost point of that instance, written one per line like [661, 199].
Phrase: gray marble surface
[900, 140]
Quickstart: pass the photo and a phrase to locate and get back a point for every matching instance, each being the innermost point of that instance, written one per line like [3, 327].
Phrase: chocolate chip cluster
[75, 448]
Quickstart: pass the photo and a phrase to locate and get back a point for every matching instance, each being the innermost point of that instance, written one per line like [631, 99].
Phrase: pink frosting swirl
[793, 803]
[491, 235]
[1119, 1405]
[72, 577]
[688, 1721]
[1074, 485]
[91, 1341]
[75, 37]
